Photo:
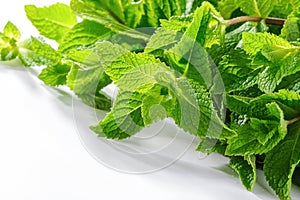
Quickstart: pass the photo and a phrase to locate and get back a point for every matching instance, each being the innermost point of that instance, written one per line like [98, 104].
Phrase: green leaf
[8, 42]
[11, 31]
[246, 168]
[238, 72]
[195, 113]
[254, 43]
[168, 34]
[227, 7]
[53, 21]
[274, 71]
[198, 3]
[158, 104]
[33, 51]
[125, 118]
[86, 77]
[87, 82]
[161, 9]
[114, 7]
[89, 78]
[238, 104]
[281, 162]
[127, 63]
[163, 39]
[291, 29]
[133, 12]
[189, 56]
[150, 87]
[287, 100]
[277, 56]
[83, 34]
[9, 53]
[290, 83]
[83, 57]
[55, 75]
[89, 10]
[212, 146]
[285, 7]
[232, 42]
[177, 23]
[259, 136]
[260, 8]
[98, 100]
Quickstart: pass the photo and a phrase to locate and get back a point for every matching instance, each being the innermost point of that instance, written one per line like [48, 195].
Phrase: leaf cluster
[234, 86]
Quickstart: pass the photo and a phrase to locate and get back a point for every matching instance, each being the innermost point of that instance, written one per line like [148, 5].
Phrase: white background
[42, 157]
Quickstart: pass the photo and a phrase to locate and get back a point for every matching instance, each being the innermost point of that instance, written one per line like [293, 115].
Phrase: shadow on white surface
[185, 166]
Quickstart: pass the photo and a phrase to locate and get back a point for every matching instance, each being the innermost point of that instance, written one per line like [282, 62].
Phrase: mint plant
[225, 71]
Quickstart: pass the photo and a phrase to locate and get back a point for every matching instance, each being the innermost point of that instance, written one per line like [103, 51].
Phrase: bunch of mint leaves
[224, 71]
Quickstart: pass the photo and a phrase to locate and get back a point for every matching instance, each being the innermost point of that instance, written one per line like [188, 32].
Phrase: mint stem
[269, 20]
[293, 120]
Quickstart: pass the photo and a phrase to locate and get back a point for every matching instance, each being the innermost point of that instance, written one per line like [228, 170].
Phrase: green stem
[269, 20]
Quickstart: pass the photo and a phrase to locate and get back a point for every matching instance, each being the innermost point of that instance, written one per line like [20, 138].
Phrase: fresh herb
[225, 71]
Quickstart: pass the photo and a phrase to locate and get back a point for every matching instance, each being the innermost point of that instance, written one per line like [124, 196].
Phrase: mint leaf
[291, 83]
[125, 118]
[291, 29]
[126, 64]
[168, 34]
[254, 43]
[237, 71]
[53, 21]
[288, 101]
[238, 104]
[260, 8]
[99, 100]
[169, 71]
[158, 104]
[146, 79]
[84, 33]
[83, 57]
[112, 6]
[55, 75]
[232, 42]
[285, 7]
[259, 136]
[87, 82]
[34, 51]
[11, 31]
[274, 72]
[278, 57]
[133, 12]
[86, 77]
[196, 113]
[8, 42]
[281, 162]
[89, 78]
[246, 168]
[227, 7]
[89, 10]
[161, 9]
[212, 146]
[195, 62]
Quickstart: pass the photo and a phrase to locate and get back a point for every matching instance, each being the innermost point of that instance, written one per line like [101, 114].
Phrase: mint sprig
[219, 69]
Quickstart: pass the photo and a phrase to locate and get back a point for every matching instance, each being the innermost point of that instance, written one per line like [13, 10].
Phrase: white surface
[42, 157]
